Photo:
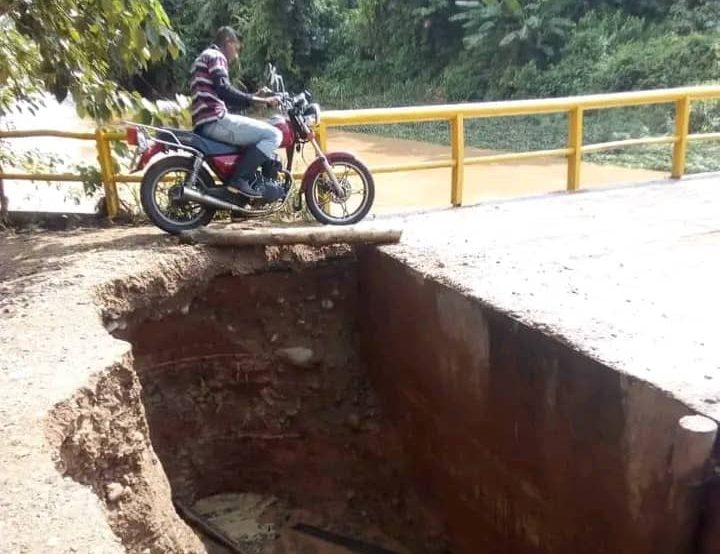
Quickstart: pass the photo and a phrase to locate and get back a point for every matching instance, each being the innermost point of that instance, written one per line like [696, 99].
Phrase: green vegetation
[376, 53]
[361, 53]
[90, 48]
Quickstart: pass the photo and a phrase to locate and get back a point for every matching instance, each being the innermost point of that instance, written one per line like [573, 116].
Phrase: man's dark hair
[226, 34]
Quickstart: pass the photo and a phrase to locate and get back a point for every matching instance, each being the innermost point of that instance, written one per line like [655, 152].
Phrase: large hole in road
[261, 412]
[253, 393]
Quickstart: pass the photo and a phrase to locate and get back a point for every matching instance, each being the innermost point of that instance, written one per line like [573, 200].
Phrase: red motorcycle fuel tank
[288, 137]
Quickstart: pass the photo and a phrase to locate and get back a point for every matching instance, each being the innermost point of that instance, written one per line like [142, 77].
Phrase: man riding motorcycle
[211, 94]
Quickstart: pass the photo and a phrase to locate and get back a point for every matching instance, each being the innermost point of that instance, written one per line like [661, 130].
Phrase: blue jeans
[244, 131]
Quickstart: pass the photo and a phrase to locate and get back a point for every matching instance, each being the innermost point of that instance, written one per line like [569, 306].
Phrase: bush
[611, 52]
[585, 57]
[667, 60]
[467, 79]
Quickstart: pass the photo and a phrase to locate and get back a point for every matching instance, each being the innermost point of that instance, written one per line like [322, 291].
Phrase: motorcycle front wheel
[356, 198]
[160, 196]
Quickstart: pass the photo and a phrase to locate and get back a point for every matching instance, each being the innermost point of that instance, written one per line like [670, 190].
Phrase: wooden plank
[274, 236]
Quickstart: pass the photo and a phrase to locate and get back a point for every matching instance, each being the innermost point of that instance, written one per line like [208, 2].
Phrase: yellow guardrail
[102, 138]
[455, 114]
[575, 107]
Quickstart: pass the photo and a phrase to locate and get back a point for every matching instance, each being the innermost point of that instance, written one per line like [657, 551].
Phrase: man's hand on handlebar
[268, 102]
[271, 101]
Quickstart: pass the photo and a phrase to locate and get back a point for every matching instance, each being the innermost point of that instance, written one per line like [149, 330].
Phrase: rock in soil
[298, 356]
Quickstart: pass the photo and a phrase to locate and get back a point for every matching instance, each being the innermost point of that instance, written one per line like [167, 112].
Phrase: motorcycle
[186, 174]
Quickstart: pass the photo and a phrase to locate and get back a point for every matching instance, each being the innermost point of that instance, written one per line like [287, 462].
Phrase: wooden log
[274, 236]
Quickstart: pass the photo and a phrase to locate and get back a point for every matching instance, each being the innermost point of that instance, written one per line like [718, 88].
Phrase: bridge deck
[629, 276]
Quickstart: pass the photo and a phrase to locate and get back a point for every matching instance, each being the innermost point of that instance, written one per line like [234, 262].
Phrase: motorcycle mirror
[276, 82]
[270, 75]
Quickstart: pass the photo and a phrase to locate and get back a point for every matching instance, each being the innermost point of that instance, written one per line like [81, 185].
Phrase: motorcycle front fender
[317, 167]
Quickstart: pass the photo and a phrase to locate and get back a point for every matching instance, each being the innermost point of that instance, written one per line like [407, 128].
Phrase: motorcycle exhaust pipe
[200, 198]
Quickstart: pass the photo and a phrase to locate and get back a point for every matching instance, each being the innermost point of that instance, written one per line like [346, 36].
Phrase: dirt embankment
[70, 400]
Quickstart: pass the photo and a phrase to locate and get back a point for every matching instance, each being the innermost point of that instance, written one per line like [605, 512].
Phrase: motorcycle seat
[205, 145]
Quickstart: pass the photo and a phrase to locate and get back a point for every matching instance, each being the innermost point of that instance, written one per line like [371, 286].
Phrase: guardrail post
[321, 133]
[457, 140]
[682, 128]
[107, 172]
[3, 199]
[575, 142]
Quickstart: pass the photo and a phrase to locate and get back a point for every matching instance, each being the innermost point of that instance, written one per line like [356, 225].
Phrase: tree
[293, 34]
[408, 38]
[196, 22]
[299, 36]
[519, 31]
[87, 48]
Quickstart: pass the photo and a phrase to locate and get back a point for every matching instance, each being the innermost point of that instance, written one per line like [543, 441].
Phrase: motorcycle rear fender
[317, 167]
[153, 150]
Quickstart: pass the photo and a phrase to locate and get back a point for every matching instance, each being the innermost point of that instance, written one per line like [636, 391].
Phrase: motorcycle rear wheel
[159, 196]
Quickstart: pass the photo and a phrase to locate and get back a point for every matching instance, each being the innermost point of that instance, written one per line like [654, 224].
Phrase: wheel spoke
[353, 184]
[181, 212]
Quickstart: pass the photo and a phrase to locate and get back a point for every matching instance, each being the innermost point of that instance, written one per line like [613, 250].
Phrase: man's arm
[232, 96]
[228, 93]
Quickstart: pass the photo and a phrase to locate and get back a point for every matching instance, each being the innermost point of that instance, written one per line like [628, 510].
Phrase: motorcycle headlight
[312, 115]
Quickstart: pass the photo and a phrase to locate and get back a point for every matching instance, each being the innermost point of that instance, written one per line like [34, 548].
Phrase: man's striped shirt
[206, 104]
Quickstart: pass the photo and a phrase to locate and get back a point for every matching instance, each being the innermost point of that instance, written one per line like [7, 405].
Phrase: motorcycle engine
[271, 190]
[271, 168]
[267, 182]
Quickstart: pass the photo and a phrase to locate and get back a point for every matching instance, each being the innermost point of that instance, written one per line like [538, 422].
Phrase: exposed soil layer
[256, 387]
